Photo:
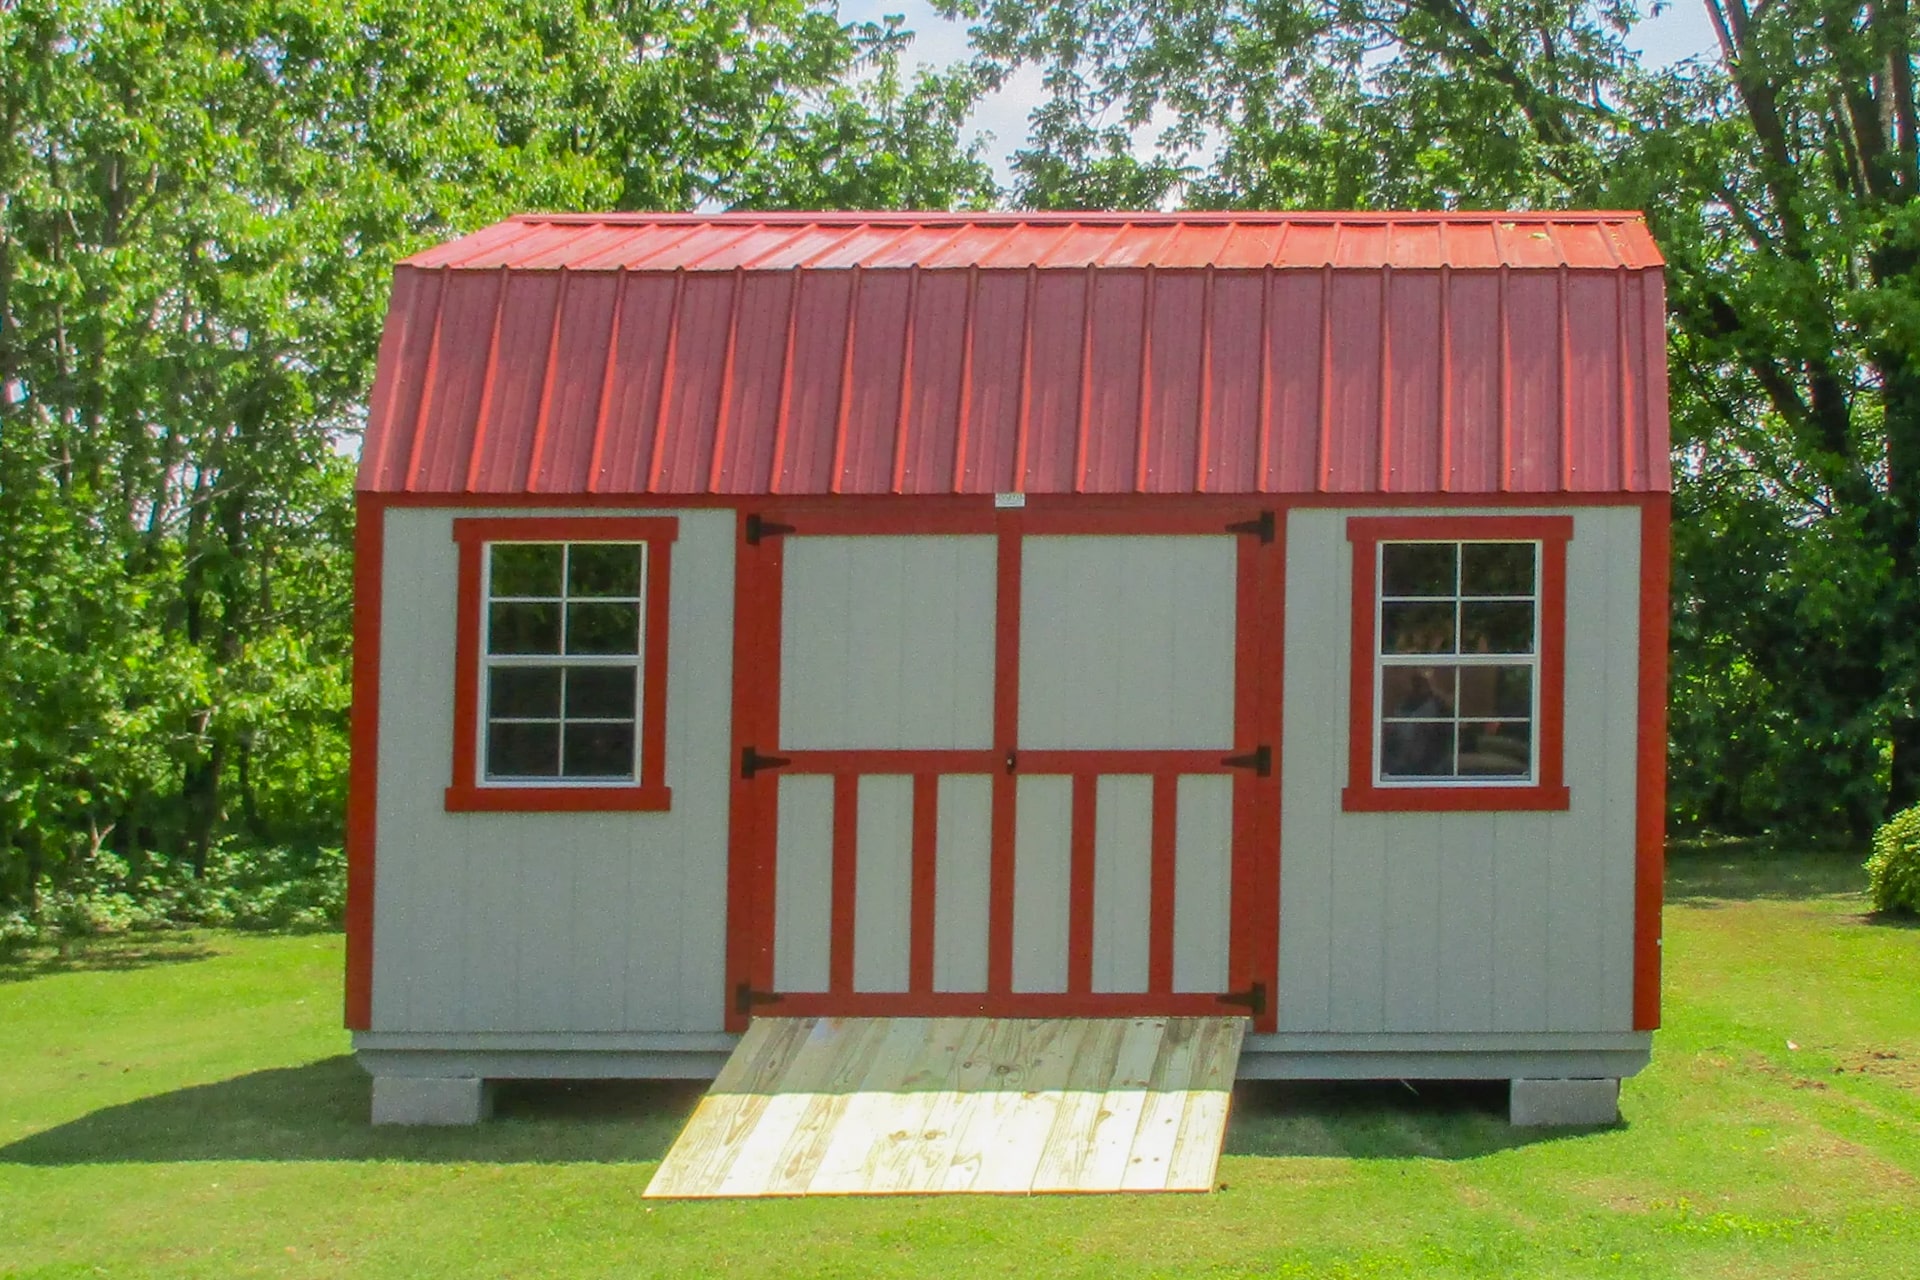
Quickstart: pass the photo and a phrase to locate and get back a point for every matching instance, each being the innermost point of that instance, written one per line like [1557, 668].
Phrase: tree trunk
[200, 789]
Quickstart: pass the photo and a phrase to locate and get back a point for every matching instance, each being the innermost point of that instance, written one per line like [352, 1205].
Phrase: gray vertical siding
[1460, 922]
[1122, 881]
[1126, 642]
[887, 643]
[548, 922]
[962, 853]
[883, 883]
[803, 883]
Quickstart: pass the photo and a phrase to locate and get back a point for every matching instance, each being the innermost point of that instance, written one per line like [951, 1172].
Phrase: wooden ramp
[869, 1106]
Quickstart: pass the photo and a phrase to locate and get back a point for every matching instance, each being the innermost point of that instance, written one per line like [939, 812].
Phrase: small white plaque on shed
[1009, 499]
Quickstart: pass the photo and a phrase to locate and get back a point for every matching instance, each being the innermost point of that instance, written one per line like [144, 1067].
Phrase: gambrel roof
[856, 353]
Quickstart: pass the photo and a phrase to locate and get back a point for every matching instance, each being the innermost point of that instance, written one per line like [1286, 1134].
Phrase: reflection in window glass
[1456, 661]
[563, 647]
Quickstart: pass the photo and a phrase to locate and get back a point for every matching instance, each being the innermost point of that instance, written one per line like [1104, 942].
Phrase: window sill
[1461, 799]
[641, 799]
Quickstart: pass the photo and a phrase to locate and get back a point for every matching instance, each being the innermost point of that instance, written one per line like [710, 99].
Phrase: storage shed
[1014, 616]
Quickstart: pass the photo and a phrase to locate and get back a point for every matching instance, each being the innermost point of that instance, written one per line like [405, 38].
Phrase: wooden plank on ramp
[880, 1106]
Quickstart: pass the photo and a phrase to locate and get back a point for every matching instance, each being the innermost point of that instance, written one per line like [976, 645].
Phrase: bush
[276, 888]
[1893, 872]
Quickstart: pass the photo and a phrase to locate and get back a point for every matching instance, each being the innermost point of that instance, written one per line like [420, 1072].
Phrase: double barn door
[1005, 763]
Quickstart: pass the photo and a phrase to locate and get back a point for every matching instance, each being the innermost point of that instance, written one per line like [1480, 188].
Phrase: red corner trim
[464, 794]
[1650, 783]
[1549, 792]
[363, 774]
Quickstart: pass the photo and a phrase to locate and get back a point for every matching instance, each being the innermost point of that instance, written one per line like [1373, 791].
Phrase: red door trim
[1253, 941]
[1080, 878]
[752, 810]
[1160, 892]
[1006, 736]
[1259, 651]
[846, 878]
[924, 912]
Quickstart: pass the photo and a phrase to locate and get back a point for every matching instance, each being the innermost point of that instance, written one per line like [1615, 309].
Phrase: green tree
[199, 206]
[1781, 181]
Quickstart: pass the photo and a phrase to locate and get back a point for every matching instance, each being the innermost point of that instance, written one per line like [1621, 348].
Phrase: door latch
[1253, 999]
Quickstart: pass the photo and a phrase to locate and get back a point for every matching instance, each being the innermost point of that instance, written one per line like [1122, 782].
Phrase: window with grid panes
[564, 637]
[1457, 662]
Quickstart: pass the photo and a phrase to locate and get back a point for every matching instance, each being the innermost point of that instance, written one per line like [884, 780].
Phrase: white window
[1457, 662]
[563, 643]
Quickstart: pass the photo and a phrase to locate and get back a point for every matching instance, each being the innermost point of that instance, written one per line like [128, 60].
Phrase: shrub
[274, 887]
[1893, 872]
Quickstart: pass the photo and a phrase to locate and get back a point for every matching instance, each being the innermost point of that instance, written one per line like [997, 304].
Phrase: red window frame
[467, 793]
[1547, 790]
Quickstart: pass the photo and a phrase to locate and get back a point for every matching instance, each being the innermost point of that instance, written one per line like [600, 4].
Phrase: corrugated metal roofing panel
[807, 354]
[772, 241]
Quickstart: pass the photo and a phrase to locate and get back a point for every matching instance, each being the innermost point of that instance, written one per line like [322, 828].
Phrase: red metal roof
[1103, 353]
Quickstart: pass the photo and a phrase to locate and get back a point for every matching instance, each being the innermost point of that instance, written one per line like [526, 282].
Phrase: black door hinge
[1260, 760]
[1254, 998]
[745, 998]
[752, 762]
[759, 527]
[1262, 526]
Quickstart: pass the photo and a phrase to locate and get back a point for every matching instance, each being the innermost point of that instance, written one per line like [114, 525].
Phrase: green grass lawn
[185, 1107]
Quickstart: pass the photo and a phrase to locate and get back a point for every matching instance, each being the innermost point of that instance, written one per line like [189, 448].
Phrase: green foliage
[1782, 181]
[274, 887]
[1893, 871]
[199, 208]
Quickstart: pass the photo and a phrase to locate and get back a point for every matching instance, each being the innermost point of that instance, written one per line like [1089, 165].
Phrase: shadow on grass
[106, 955]
[1378, 1119]
[1703, 875]
[1886, 920]
[319, 1112]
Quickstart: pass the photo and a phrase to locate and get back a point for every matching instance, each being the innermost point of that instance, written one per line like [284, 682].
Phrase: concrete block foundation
[431, 1100]
[1549, 1103]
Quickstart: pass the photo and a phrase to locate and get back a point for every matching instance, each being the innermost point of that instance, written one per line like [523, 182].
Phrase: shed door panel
[887, 643]
[940, 815]
[1127, 642]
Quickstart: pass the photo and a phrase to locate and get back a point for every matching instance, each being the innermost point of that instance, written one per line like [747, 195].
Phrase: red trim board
[1650, 782]
[753, 809]
[363, 773]
[1006, 736]
[1549, 790]
[650, 793]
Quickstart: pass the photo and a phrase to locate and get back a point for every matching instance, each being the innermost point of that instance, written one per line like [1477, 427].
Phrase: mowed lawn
[184, 1107]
